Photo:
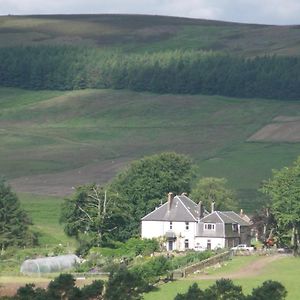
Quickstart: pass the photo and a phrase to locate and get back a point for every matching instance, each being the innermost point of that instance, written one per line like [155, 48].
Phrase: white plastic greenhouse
[49, 264]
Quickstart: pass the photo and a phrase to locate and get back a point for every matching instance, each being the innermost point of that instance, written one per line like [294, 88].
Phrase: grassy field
[45, 213]
[148, 33]
[54, 141]
[285, 271]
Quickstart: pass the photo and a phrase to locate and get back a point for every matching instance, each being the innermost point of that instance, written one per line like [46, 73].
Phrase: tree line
[185, 72]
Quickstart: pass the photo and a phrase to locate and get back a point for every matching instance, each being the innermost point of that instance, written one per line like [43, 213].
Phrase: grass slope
[45, 214]
[53, 141]
[284, 270]
[148, 33]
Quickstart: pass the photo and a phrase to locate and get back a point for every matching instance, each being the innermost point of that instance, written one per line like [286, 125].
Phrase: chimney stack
[242, 212]
[170, 200]
[201, 213]
[213, 206]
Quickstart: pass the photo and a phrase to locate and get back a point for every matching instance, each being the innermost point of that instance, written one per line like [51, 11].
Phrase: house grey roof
[227, 217]
[235, 217]
[223, 221]
[183, 209]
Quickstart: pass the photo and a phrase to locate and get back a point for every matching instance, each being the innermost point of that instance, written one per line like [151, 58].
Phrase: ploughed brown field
[281, 129]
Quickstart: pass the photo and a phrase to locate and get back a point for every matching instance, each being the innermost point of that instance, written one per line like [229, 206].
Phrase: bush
[152, 269]
[131, 248]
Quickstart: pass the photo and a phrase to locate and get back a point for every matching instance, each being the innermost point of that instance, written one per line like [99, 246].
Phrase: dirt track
[254, 268]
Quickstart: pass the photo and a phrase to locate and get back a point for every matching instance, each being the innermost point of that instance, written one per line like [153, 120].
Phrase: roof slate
[183, 209]
[227, 217]
[234, 217]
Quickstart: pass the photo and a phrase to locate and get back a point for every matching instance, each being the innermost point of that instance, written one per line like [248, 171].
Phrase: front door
[208, 246]
[170, 246]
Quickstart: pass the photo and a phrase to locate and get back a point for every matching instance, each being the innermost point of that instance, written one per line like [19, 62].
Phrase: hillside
[138, 33]
[53, 141]
[90, 124]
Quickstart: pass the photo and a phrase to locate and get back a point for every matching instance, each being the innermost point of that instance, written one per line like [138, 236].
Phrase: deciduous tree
[211, 189]
[146, 181]
[284, 191]
[94, 212]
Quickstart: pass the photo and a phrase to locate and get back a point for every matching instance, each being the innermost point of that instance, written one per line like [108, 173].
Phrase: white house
[186, 225]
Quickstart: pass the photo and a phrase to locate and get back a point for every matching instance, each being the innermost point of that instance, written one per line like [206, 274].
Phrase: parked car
[242, 247]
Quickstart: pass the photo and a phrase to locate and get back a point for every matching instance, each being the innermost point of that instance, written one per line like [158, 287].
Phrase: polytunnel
[49, 264]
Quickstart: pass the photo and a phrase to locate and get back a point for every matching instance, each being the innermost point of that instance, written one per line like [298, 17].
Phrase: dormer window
[171, 225]
[209, 226]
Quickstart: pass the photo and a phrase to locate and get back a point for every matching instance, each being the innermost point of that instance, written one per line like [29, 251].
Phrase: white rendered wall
[152, 229]
[215, 242]
[155, 229]
[183, 234]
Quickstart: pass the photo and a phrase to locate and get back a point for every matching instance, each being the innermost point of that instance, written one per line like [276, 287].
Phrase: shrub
[153, 268]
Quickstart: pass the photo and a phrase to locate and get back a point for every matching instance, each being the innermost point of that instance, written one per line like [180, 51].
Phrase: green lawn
[286, 271]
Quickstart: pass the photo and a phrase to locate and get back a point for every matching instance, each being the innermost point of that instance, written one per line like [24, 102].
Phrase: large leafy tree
[14, 221]
[124, 284]
[95, 213]
[211, 189]
[147, 181]
[284, 191]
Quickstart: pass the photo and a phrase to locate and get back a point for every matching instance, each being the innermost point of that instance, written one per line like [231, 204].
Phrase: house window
[235, 227]
[170, 246]
[187, 225]
[186, 244]
[171, 225]
[208, 226]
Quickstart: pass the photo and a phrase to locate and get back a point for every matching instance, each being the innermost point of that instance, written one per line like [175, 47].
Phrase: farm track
[253, 269]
